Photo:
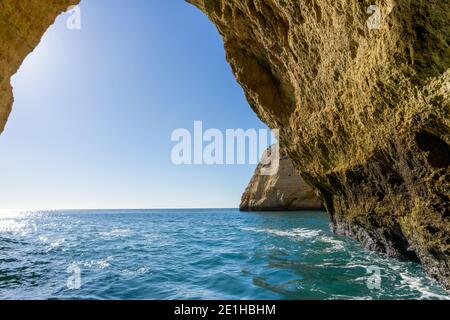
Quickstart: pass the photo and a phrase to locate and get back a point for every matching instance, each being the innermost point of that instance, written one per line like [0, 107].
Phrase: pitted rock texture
[22, 24]
[283, 190]
[364, 112]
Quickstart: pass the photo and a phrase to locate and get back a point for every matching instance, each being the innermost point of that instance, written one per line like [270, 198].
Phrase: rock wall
[22, 24]
[284, 190]
[364, 112]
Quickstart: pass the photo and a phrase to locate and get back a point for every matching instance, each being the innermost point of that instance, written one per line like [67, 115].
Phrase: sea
[194, 254]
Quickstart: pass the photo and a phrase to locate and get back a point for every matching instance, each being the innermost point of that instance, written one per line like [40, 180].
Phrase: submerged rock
[283, 190]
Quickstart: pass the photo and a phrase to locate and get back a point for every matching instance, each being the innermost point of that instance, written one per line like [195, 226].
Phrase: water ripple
[193, 254]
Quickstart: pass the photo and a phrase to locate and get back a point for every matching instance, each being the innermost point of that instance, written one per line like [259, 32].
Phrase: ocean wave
[101, 264]
[347, 297]
[16, 227]
[297, 233]
[206, 255]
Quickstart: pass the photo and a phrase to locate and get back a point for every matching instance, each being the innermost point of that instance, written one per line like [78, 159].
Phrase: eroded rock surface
[283, 190]
[22, 24]
[364, 112]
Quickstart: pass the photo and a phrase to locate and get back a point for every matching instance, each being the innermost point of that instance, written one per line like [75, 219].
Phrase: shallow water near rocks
[195, 254]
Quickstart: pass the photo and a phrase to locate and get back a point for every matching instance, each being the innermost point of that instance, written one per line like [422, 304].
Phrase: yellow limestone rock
[364, 109]
[22, 25]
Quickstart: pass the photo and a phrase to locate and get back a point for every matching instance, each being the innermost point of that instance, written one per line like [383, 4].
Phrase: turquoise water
[193, 254]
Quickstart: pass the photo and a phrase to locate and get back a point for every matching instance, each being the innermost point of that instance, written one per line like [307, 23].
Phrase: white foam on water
[56, 243]
[102, 264]
[130, 274]
[356, 265]
[117, 233]
[105, 262]
[52, 244]
[336, 245]
[327, 265]
[297, 233]
[8, 214]
[415, 283]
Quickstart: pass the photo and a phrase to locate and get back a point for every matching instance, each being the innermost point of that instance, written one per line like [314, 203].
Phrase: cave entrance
[97, 101]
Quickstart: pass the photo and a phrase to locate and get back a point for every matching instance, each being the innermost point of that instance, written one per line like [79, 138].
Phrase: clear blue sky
[95, 108]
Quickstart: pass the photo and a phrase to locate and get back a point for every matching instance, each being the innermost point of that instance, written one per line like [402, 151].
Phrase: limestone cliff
[283, 190]
[364, 112]
[22, 24]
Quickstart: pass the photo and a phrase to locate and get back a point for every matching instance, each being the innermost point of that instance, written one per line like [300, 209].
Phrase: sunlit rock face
[283, 189]
[364, 109]
[22, 24]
